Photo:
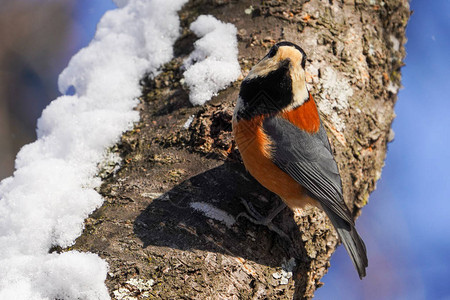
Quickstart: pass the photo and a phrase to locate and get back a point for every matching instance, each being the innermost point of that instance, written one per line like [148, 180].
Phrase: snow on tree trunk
[168, 228]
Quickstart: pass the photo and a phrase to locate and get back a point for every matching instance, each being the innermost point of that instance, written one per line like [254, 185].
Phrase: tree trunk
[169, 226]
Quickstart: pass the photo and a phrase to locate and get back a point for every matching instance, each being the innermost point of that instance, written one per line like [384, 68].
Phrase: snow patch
[70, 275]
[52, 190]
[393, 88]
[213, 64]
[395, 42]
[334, 96]
[287, 269]
[188, 122]
[214, 213]
[371, 50]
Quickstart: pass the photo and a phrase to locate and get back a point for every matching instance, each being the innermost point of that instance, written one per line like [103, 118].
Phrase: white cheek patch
[299, 90]
[299, 86]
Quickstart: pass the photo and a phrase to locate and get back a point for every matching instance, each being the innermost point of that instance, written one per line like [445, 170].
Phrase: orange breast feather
[305, 117]
[254, 146]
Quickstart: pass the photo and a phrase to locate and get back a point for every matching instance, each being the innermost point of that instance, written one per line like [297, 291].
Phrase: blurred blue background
[37, 40]
[406, 225]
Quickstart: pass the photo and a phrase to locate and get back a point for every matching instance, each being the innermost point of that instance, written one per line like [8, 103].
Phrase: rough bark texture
[158, 245]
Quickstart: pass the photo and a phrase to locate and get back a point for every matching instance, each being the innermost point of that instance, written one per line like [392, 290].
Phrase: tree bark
[169, 226]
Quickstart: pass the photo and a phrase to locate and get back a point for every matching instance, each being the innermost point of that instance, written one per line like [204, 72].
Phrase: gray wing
[307, 158]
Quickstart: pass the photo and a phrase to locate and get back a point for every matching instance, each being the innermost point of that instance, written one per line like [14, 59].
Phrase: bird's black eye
[272, 51]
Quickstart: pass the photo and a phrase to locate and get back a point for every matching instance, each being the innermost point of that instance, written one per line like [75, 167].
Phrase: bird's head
[275, 83]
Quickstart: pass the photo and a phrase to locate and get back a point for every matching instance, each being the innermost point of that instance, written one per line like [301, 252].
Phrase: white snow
[393, 88]
[213, 64]
[188, 122]
[287, 269]
[52, 190]
[395, 42]
[214, 213]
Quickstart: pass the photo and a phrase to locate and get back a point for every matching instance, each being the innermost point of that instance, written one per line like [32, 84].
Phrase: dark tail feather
[351, 240]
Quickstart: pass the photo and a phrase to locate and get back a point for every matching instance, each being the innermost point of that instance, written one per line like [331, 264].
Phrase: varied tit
[284, 145]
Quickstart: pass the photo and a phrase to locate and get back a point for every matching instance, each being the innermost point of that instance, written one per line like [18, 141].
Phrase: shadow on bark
[171, 221]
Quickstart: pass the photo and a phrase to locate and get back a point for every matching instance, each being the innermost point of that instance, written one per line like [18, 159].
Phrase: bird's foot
[256, 218]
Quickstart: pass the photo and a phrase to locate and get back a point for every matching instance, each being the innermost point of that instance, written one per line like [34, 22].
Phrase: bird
[284, 146]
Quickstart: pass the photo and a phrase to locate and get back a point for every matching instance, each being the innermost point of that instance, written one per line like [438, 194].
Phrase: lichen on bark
[158, 245]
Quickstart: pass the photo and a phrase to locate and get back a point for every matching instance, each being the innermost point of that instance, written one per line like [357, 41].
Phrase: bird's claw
[256, 218]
